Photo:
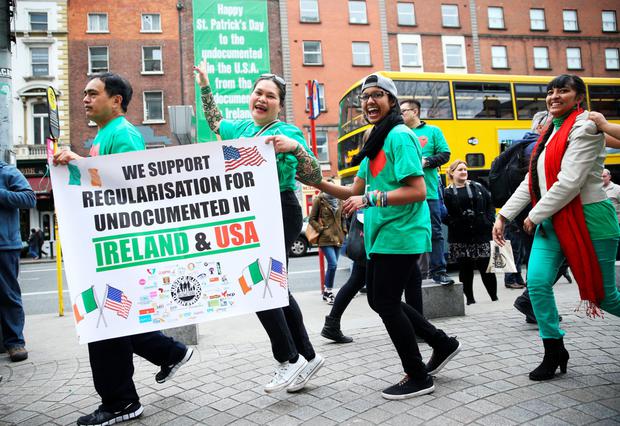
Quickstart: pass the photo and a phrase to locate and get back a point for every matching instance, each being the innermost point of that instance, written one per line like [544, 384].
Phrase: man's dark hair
[412, 101]
[116, 85]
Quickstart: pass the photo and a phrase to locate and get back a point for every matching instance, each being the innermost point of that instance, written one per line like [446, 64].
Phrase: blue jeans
[11, 309]
[437, 260]
[331, 254]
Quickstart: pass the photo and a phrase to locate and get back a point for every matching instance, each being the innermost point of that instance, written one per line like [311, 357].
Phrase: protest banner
[169, 237]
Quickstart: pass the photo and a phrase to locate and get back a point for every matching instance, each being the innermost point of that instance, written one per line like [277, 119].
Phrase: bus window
[474, 160]
[530, 99]
[434, 97]
[483, 100]
[351, 116]
[606, 100]
[348, 148]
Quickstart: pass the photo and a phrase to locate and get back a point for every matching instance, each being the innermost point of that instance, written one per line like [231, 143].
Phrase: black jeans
[285, 326]
[348, 291]
[111, 362]
[466, 276]
[386, 278]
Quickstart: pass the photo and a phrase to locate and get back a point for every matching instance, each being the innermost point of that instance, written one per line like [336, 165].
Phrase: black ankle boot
[331, 331]
[555, 356]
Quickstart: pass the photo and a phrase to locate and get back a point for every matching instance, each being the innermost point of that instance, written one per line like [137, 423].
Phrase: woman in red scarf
[572, 218]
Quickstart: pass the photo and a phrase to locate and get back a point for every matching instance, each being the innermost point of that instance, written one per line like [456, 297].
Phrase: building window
[154, 106]
[541, 58]
[97, 22]
[609, 21]
[496, 18]
[38, 21]
[312, 53]
[537, 20]
[151, 59]
[570, 20]
[40, 61]
[357, 12]
[454, 56]
[450, 15]
[499, 57]
[410, 55]
[361, 53]
[151, 23]
[573, 58]
[406, 13]
[612, 61]
[309, 10]
[41, 123]
[98, 60]
[321, 97]
[322, 144]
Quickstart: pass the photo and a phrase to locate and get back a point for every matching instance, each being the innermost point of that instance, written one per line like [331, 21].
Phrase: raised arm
[611, 130]
[209, 107]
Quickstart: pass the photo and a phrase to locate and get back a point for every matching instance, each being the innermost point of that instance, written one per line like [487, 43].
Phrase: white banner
[168, 237]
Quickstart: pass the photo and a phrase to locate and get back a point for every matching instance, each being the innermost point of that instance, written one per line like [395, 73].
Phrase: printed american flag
[235, 157]
[278, 272]
[117, 301]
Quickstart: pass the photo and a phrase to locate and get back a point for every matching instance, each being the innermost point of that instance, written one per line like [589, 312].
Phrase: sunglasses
[273, 77]
[374, 95]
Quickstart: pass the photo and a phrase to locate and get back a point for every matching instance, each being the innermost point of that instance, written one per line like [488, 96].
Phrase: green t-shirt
[286, 163]
[119, 135]
[601, 220]
[402, 229]
[432, 142]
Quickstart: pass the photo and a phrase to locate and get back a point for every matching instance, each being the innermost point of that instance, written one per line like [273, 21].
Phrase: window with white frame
[406, 13]
[541, 58]
[499, 57]
[97, 22]
[454, 56]
[573, 58]
[450, 15]
[322, 146]
[570, 20]
[537, 19]
[151, 23]
[410, 55]
[40, 123]
[312, 53]
[309, 10]
[151, 59]
[40, 61]
[612, 60]
[154, 106]
[357, 12]
[496, 18]
[361, 53]
[321, 97]
[98, 59]
[609, 21]
[38, 21]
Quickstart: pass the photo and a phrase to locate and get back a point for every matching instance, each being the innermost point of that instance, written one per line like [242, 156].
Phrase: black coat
[469, 220]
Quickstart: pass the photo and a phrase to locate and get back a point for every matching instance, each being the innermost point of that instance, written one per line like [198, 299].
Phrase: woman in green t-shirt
[285, 327]
[390, 186]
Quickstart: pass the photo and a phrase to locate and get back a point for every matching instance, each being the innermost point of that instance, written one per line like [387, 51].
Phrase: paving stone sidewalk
[486, 384]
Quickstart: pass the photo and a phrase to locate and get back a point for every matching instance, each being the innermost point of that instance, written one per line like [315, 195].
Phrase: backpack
[508, 171]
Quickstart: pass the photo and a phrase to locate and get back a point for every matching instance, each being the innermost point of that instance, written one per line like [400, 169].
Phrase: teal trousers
[545, 260]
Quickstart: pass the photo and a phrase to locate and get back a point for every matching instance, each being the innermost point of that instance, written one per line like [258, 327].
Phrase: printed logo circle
[186, 290]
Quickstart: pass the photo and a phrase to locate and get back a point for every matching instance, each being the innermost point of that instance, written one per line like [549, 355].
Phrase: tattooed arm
[308, 168]
[209, 107]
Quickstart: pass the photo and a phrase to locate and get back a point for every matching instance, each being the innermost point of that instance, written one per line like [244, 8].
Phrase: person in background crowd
[435, 152]
[15, 194]
[33, 244]
[390, 187]
[327, 218]
[571, 217]
[106, 98]
[470, 220]
[290, 344]
[612, 190]
[41, 241]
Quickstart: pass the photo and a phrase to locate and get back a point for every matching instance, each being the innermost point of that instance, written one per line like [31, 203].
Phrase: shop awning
[40, 185]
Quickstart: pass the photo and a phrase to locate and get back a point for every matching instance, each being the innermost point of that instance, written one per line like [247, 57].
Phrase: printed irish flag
[252, 275]
[84, 304]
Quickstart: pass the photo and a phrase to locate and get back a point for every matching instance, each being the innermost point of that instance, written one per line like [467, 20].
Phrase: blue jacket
[15, 194]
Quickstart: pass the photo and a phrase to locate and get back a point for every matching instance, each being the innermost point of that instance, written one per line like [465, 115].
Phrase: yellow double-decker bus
[479, 114]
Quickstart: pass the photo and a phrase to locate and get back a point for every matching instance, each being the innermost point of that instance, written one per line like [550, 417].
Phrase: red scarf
[569, 223]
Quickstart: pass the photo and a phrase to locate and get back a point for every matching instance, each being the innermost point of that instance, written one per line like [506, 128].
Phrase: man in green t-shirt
[435, 152]
[106, 98]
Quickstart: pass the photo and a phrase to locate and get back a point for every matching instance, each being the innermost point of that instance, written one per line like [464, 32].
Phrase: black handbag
[355, 249]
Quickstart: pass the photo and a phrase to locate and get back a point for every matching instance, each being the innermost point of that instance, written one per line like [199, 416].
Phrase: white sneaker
[284, 375]
[307, 373]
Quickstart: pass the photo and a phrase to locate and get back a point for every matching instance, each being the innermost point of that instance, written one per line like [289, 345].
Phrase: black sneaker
[408, 388]
[102, 417]
[443, 279]
[167, 371]
[441, 356]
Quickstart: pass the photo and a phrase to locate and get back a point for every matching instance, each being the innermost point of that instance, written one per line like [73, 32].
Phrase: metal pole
[6, 101]
[181, 73]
